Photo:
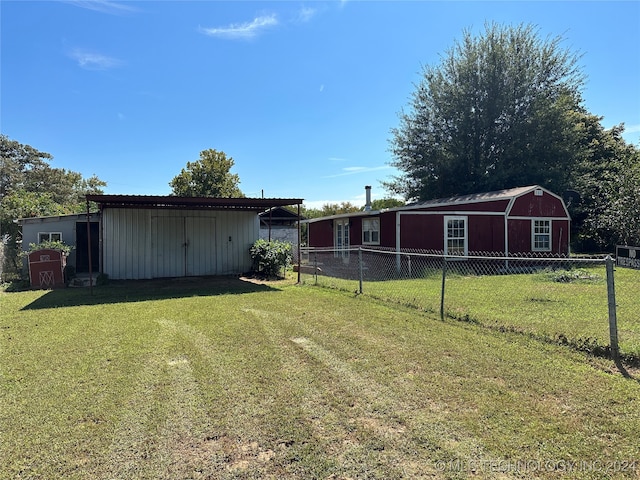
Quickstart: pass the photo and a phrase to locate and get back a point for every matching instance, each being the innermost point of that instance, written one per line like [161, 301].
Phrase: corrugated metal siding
[149, 243]
[126, 242]
[167, 246]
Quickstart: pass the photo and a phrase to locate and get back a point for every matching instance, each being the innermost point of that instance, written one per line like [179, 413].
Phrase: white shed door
[200, 248]
[184, 246]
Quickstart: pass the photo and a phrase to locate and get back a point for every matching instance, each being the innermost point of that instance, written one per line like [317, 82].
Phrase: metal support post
[613, 321]
[360, 269]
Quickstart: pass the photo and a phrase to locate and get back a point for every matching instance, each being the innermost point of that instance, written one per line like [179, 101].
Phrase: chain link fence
[3, 248]
[559, 299]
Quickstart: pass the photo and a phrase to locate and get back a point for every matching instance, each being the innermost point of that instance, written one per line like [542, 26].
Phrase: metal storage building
[144, 237]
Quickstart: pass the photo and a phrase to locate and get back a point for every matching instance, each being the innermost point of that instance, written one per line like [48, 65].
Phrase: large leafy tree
[605, 197]
[208, 177]
[17, 162]
[496, 112]
[25, 173]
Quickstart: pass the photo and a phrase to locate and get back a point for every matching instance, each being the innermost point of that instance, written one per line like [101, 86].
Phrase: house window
[455, 235]
[371, 231]
[49, 237]
[341, 237]
[541, 235]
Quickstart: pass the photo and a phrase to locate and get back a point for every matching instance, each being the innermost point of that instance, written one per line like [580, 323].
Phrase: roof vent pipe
[367, 205]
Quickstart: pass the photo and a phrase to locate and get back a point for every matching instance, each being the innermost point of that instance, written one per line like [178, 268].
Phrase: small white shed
[166, 236]
[73, 230]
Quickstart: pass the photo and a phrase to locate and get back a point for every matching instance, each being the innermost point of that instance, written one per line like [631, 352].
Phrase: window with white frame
[49, 237]
[371, 231]
[341, 240]
[541, 235]
[455, 235]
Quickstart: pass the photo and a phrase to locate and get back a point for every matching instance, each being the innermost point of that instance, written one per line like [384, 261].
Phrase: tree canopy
[495, 113]
[329, 209]
[605, 208]
[381, 203]
[208, 177]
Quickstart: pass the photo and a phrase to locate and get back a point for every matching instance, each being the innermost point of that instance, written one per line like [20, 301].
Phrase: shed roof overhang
[190, 203]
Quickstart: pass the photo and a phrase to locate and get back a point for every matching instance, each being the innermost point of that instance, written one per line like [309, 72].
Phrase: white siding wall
[149, 243]
[283, 234]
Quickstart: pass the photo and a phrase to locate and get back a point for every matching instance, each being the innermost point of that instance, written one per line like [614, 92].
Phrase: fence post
[360, 269]
[613, 321]
[315, 268]
[409, 265]
[444, 276]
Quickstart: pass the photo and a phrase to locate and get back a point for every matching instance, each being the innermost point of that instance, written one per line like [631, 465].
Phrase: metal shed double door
[184, 246]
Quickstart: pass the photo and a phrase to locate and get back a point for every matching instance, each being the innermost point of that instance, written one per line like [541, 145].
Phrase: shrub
[269, 258]
[49, 245]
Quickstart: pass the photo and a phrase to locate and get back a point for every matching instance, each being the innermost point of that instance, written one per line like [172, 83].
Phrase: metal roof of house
[279, 213]
[505, 194]
[54, 218]
[191, 203]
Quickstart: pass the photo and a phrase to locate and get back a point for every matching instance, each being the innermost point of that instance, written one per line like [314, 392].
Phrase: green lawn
[575, 311]
[230, 379]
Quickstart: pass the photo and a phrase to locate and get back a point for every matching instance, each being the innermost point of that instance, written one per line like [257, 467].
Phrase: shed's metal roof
[194, 203]
[56, 218]
[505, 194]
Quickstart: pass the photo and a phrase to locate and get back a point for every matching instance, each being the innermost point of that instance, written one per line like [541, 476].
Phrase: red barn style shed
[46, 268]
[519, 220]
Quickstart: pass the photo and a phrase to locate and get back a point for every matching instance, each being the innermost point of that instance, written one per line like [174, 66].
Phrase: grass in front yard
[572, 310]
[241, 380]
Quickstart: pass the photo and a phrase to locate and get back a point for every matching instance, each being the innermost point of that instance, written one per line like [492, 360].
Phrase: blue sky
[301, 94]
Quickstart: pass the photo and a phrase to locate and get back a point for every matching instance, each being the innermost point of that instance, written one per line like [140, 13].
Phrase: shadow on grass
[143, 290]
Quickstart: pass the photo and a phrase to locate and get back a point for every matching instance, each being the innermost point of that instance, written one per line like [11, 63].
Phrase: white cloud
[355, 170]
[94, 61]
[305, 14]
[632, 128]
[102, 6]
[243, 30]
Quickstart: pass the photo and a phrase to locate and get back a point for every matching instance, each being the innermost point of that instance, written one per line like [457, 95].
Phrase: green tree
[329, 209]
[16, 163]
[381, 203]
[208, 177]
[25, 171]
[622, 218]
[495, 113]
[605, 209]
